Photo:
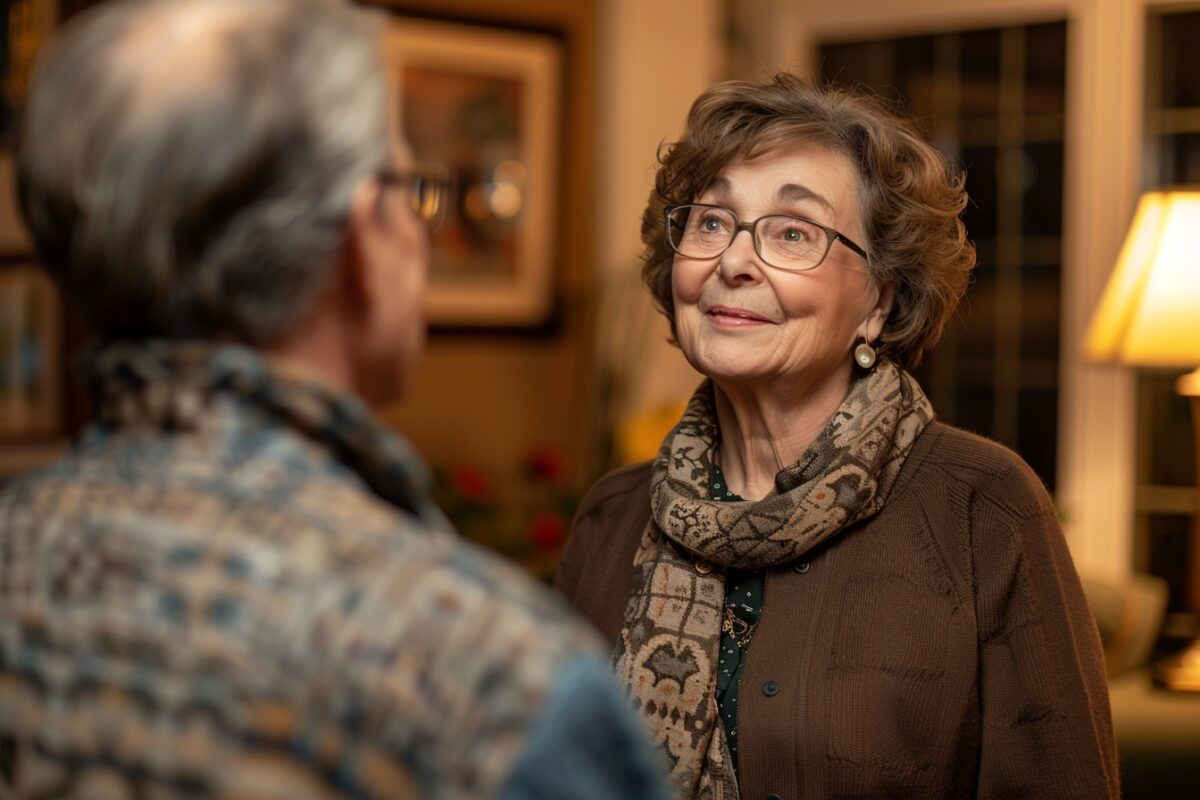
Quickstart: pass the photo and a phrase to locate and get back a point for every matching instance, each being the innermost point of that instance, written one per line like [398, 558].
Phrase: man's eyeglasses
[427, 187]
[702, 231]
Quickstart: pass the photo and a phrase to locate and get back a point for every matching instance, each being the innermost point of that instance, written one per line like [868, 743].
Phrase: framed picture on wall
[484, 103]
[30, 350]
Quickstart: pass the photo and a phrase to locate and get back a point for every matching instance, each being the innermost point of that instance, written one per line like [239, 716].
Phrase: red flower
[546, 463]
[472, 484]
[548, 530]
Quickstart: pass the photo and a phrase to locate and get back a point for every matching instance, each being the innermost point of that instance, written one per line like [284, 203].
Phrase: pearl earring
[864, 355]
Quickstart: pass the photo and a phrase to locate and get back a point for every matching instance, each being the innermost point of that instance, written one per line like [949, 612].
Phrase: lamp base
[1180, 672]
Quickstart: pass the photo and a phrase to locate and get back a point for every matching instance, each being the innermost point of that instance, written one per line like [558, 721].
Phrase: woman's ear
[877, 316]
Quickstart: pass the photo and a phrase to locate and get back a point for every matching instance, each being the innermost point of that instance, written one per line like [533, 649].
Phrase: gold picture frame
[24, 26]
[485, 103]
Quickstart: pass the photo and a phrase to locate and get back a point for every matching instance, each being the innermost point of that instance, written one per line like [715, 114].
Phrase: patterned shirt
[743, 608]
[236, 586]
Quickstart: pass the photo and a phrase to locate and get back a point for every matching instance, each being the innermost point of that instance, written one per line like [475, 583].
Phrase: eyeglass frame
[831, 235]
[408, 179]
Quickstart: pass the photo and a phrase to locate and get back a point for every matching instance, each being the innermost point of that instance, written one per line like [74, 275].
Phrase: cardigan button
[771, 688]
[703, 567]
[801, 567]
[772, 796]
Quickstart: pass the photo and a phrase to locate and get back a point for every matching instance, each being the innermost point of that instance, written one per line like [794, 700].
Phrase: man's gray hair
[186, 166]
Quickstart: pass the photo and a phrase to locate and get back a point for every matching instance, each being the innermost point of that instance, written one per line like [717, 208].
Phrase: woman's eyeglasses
[702, 231]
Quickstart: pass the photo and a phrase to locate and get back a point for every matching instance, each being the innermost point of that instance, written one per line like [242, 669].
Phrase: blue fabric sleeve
[587, 745]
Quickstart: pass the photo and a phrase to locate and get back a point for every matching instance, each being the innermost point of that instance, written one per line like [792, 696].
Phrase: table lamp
[1149, 316]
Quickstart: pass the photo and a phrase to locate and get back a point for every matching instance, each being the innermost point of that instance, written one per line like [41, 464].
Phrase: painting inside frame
[484, 103]
[30, 353]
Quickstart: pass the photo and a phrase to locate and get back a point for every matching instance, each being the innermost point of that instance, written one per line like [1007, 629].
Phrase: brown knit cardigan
[940, 649]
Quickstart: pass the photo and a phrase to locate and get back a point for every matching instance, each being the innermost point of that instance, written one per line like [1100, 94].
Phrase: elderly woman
[817, 590]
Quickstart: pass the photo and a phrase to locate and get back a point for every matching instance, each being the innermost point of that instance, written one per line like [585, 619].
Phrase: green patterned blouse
[743, 607]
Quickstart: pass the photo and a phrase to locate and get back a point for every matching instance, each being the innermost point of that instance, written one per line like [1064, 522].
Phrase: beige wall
[654, 59]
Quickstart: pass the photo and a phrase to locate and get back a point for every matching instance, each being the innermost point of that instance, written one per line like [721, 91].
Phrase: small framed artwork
[484, 103]
[30, 352]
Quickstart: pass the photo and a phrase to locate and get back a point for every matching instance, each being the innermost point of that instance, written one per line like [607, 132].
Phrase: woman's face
[741, 321]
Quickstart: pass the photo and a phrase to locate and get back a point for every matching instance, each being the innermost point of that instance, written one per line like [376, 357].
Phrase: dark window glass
[914, 67]
[1180, 77]
[1042, 189]
[1039, 313]
[1045, 69]
[977, 315]
[1165, 425]
[975, 408]
[1037, 428]
[993, 100]
[1179, 158]
[1169, 556]
[979, 58]
[981, 213]
[869, 64]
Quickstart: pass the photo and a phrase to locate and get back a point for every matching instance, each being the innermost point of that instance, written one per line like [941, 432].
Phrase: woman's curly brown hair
[910, 196]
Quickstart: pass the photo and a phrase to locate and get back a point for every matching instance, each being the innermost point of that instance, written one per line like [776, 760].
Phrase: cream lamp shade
[1150, 312]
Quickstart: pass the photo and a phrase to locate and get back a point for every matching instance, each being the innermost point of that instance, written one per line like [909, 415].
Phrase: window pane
[996, 369]
[1165, 431]
[1045, 68]
[1037, 430]
[980, 215]
[1042, 199]
[868, 63]
[1039, 313]
[977, 336]
[979, 59]
[975, 408]
[1179, 159]
[1180, 78]
[914, 65]
[1170, 554]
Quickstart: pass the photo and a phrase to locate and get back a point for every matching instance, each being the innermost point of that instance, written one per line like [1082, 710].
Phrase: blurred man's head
[211, 169]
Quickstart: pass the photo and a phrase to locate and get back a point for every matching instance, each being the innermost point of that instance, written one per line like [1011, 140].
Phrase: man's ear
[877, 316]
[365, 241]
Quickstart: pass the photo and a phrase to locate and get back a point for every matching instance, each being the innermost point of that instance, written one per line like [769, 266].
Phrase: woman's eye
[711, 224]
[791, 231]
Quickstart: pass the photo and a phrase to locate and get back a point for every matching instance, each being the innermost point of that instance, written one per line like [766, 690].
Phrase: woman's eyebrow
[792, 192]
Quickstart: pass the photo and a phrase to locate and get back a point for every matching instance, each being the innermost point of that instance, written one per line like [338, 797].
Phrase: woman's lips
[727, 317]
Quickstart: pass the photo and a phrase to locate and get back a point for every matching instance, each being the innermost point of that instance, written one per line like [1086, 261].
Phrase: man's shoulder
[258, 540]
[272, 624]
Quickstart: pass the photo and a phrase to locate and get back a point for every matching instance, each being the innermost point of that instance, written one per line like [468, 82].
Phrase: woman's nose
[740, 262]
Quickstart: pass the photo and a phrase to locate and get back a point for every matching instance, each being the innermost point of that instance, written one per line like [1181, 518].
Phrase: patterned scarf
[667, 650]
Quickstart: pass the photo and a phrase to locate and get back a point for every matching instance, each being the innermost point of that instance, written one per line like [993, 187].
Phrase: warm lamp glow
[1150, 313]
